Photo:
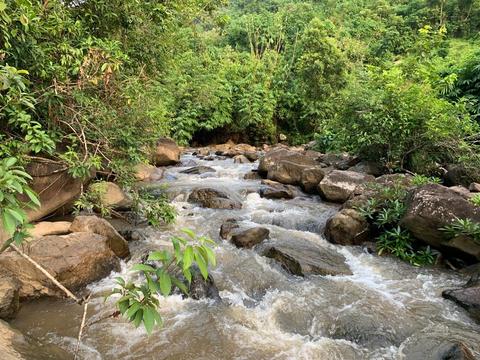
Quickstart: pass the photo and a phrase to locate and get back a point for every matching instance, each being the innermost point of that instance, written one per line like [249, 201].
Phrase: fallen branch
[46, 273]
[82, 325]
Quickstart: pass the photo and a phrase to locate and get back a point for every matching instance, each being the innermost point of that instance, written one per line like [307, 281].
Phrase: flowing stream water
[385, 310]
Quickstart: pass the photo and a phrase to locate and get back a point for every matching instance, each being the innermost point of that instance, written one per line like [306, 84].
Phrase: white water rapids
[385, 310]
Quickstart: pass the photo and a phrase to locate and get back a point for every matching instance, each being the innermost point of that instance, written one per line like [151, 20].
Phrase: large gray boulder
[347, 227]
[432, 207]
[287, 172]
[75, 260]
[304, 258]
[338, 185]
[311, 177]
[277, 155]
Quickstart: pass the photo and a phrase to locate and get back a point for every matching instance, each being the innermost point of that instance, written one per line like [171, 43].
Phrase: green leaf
[132, 310]
[148, 319]
[180, 285]
[32, 196]
[188, 257]
[165, 283]
[159, 256]
[138, 318]
[3, 6]
[19, 215]
[9, 223]
[210, 255]
[189, 232]
[142, 267]
[201, 265]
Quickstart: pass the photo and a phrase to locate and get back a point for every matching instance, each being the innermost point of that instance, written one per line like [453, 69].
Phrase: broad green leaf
[19, 215]
[9, 223]
[148, 319]
[143, 267]
[132, 310]
[188, 257]
[165, 283]
[202, 265]
[138, 318]
[189, 232]
[180, 285]
[210, 255]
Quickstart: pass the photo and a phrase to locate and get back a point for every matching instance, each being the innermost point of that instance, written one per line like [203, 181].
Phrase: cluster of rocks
[344, 179]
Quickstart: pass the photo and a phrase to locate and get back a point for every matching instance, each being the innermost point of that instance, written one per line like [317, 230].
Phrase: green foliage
[463, 227]
[398, 242]
[14, 183]
[90, 201]
[475, 200]
[420, 180]
[165, 271]
[156, 209]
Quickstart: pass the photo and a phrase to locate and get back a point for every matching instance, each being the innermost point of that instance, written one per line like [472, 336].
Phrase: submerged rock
[215, 199]
[96, 225]
[252, 175]
[250, 237]
[303, 258]
[468, 297]
[197, 170]
[227, 228]
[201, 288]
[241, 159]
[75, 260]
[166, 153]
[338, 186]
[347, 227]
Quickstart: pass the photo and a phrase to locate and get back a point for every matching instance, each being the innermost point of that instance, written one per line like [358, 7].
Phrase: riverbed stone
[241, 159]
[338, 185]
[304, 258]
[198, 170]
[347, 227]
[287, 172]
[94, 224]
[432, 207]
[341, 161]
[252, 175]
[468, 296]
[274, 190]
[9, 295]
[311, 177]
[147, 172]
[279, 154]
[75, 260]
[200, 288]
[166, 152]
[227, 228]
[250, 237]
[212, 198]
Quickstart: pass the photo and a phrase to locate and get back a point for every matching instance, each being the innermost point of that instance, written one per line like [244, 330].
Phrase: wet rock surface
[166, 153]
[250, 237]
[9, 295]
[274, 190]
[468, 296]
[212, 198]
[304, 258]
[75, 260]
[347, 227]
[338, 186]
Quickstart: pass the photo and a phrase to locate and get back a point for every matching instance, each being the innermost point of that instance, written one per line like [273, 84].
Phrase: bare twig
[46, 273]
[82, 325]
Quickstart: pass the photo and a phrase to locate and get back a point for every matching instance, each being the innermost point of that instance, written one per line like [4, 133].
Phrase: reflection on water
[385, 309]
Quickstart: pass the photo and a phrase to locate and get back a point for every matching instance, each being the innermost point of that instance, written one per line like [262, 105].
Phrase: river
[385, 310]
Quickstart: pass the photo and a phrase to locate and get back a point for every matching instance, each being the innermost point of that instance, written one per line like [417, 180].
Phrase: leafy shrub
[463, 227]
[166, 270]
[420, 180]
[156, 209]
[475, 199]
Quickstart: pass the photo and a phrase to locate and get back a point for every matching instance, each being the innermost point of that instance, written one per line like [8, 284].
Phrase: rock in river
[215, 199]
[250, 237]
[75, 260]
[338, 185]
[305, 258]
